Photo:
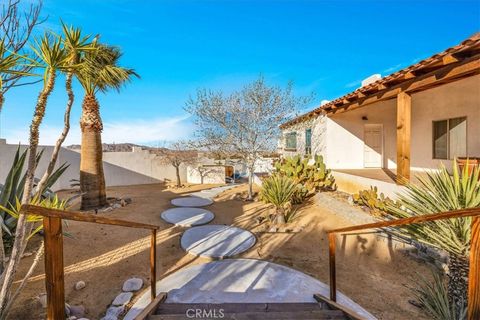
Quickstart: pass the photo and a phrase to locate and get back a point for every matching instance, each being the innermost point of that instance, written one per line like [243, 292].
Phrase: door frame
[382, 155]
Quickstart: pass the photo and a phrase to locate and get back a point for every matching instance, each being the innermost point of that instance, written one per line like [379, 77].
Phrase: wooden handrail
[84, 217]
[474, 275]
[53, 235]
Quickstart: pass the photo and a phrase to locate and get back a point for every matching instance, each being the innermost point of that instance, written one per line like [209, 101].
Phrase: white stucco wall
[343, 146]
[211, 175]
[121, 168]
[319, 132]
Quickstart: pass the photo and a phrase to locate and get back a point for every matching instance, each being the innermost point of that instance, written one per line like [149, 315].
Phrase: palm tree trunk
[458, 268]
[63, 135]
[20, 239]
[92, 179]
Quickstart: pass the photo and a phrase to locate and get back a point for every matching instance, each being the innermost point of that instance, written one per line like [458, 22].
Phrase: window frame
[308, 147]
[448, 136]
[292, 133]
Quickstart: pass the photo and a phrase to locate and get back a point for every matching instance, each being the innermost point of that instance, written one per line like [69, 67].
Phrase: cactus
[309, 177]
[376, 202]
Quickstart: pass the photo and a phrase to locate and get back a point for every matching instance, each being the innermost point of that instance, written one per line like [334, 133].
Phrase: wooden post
[54, 278]
[474, 273]
[153, 264]
[333, 279]
[404, 115]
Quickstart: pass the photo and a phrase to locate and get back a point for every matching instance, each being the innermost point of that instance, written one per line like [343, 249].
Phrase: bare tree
[16, 27]
[245, 122]
[176, 154]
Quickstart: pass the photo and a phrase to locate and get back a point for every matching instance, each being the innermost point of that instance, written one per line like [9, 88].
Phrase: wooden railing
[54, 273]
[474, 273]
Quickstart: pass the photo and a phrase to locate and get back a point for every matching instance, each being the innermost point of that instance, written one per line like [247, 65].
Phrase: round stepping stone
[191, 202]
[241, 281]
[216, 241]
[187, 217]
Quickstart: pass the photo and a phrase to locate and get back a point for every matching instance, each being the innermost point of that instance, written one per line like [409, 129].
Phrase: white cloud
[134, 131]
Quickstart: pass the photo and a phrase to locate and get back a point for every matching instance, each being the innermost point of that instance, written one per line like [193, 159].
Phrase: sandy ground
[369, 271]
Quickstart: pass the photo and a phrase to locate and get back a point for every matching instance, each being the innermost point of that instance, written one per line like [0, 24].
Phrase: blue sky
[325, 47]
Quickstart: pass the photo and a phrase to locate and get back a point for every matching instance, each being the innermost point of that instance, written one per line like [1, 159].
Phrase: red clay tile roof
[466, 49]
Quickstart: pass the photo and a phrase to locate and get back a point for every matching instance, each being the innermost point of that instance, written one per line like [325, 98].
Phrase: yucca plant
[278, 190]
[12, 189]
[439, 192]
[433, 297]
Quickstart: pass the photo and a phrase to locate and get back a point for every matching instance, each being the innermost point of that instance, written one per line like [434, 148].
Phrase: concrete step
[245, 311]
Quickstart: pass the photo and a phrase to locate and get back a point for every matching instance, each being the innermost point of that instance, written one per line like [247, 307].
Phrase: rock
[273, 229]
[108, 209]
[132, 284]
[80, 285]
[127, 200]
[77, 311]
[67, 309]
[72, 318]
[122, 299]
[83, 319]
[123, 203]
[42, 298]
[116, 205]
[113, 313]
[350, 200]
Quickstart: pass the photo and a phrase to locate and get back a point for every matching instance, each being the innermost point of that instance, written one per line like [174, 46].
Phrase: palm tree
[49, 55]
[99, 72]
[75, 46]
[439, 192]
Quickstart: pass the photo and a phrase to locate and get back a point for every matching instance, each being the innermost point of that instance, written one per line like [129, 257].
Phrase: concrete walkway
[240, 281]
[216, 241]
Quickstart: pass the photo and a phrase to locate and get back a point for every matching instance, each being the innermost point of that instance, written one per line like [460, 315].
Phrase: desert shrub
[278, 190]
[309, 176]
[377, 203]
[433, 298]
[440, 192]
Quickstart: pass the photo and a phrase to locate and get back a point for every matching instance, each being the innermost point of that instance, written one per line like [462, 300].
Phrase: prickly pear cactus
[309, 177]
[376, 202]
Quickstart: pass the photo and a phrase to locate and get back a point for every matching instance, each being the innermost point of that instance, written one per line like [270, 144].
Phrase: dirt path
[369, 272]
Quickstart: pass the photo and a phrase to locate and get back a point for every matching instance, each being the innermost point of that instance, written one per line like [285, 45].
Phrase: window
[291, 141]
[308, 141]
[450, 138]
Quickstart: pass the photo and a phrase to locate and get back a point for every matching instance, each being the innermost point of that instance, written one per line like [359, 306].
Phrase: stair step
[181, 308]
[281, 315]
[246, 311]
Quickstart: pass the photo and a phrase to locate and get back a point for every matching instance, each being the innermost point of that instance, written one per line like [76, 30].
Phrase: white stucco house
[395, 127]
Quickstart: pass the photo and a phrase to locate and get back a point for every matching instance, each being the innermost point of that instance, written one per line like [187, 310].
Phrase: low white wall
[211, 174]
[121, 168]
[352, 184]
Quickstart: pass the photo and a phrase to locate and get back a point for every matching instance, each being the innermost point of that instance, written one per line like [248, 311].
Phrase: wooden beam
[449, 73]
[404, 124]
[81, 216]
[474, 273]
[153, 264]
[331, 259]
[349, 313]
[151, 307]
[54, 277]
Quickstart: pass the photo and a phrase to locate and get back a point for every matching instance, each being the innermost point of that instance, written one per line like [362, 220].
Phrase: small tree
[245, 122]
[176, 155]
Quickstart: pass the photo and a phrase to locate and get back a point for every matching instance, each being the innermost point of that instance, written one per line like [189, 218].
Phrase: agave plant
[278, 190]
[433, 298]
[14, 185]
[439, 192]
[53, 203]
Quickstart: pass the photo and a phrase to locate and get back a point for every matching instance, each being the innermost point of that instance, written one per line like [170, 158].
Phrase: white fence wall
[121, 168]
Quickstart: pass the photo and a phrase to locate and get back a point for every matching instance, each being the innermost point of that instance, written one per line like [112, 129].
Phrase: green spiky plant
[440, 192]
[433, 298]
[278, 190]
[13, 187]
[309, 177]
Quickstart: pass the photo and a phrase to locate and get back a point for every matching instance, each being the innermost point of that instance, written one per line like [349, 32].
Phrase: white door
[373, 149]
